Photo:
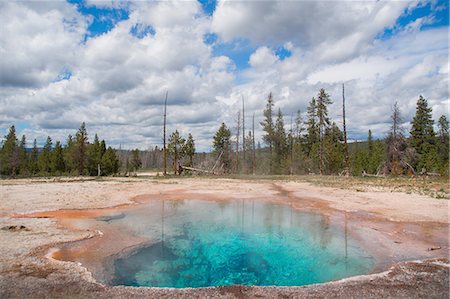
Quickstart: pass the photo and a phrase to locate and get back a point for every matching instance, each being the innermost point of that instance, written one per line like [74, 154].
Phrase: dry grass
[429, 186]
[436, 187]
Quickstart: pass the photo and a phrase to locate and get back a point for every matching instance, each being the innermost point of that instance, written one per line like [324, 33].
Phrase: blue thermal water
[205, 243]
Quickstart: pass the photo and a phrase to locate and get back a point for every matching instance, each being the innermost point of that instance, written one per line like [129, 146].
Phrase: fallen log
[199, 170]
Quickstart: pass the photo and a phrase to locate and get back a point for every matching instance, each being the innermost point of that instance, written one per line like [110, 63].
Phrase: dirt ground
[406, 228]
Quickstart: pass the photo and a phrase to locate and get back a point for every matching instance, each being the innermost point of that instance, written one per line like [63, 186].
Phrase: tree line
[77, 157]
[311, 145]
[316, 145]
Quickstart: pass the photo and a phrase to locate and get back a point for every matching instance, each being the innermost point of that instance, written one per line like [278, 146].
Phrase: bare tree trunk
[292, 148]
[254, 148]
[346, 159]
[237, 140]
[165, 150]
[321, 163]
[243, 134]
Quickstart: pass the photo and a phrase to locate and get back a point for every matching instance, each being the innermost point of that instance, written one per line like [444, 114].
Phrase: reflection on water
[203, 243]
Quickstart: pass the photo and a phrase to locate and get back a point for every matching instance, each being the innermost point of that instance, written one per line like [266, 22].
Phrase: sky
[110, 63]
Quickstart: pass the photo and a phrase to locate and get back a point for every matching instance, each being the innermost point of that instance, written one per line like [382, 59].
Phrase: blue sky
[109, 63]
[104, 19]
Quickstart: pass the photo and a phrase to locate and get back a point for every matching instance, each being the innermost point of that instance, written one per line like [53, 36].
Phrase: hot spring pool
[197, 243]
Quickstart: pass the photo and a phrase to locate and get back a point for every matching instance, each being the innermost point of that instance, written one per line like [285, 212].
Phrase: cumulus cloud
[37, 41]
[54, 78]
[339, 28]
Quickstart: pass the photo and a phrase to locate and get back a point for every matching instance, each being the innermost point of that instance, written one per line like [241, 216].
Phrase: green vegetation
[77, 157]
[316, 145]
[311, 146]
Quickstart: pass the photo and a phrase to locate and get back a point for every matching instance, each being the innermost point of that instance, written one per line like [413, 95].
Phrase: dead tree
[237, 140]
[243, 133]
[346, 159]
[254, 148]
[291, 145]
[165, 150]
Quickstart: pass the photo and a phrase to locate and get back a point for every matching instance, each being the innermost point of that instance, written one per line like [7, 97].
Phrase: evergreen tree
[23, 156]
[269, 128]
[443, 129]
[189, 149]
[222, 146]
[136, 162]
[248, 162]
[110, 163]
[44, 157]
[422, 136]
[10, 154]
[94, 156]
[375, 154]
[57, 159]
[333, 150]
[175, 148]
[102, 147]
[69, 154]
[370, 143]
[80, 158]
[298, 127]
[323, 100]
[279, 144]
[34, 166]
[358, 160]
[443, 144]
[312, 136]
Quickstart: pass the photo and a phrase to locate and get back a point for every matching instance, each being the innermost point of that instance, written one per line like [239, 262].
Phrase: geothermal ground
[403, 224]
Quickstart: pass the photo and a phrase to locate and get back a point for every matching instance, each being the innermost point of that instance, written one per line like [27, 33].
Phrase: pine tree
[69, 153]
[222, 146]
[189, 149]
[422, 136]
[57, 159]
[23, 156]
[110, 163]
[443, 144]
[333, 149]
[298, 156]
[312, 136]
[44, 157]
[370, 143]
[10, 154]
[323, 100]
[298, 127]
[358, 160]
[81, 149]
[102, 147]
[175, 148]
[248, 162]
[279, 144]
[94, 156]
[375, 154]
[269, 128]
[377, 157]
[33, 166]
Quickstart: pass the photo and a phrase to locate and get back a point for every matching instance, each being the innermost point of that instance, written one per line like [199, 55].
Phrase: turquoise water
[204, 243]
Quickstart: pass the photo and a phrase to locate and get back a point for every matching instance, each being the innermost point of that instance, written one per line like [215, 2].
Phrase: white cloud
[263, 57]
[118, 81]
[37, 41]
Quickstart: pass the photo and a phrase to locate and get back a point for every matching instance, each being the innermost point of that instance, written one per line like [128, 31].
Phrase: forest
[314, 145]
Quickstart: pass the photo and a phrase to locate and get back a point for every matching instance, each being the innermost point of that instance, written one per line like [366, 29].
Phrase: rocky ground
[397, 226]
